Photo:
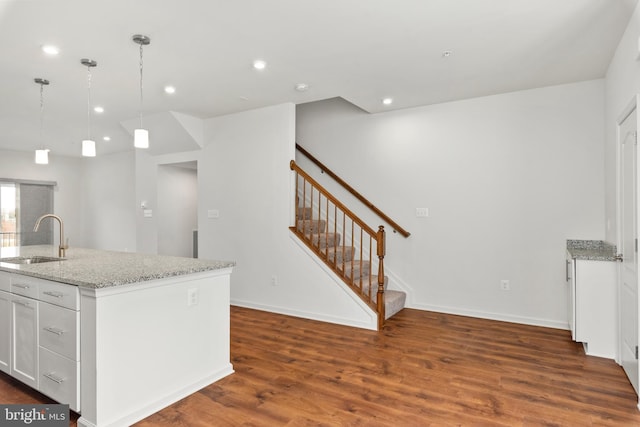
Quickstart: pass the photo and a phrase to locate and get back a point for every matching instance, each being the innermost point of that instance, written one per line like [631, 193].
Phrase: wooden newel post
[380, 295]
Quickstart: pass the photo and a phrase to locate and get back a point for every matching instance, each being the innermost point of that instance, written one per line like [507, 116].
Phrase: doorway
[628, 241]
[178, 209]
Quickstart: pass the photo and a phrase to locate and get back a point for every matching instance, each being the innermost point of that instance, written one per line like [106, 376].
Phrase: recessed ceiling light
[302, 87]
[50, 49]
[259, 64]
[106, 138]
[170, 89]
[387, 101]
[98, 109]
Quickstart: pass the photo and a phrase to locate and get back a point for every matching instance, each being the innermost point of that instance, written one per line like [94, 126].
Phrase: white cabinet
[592, 305]
[24, 340]
[40, 335]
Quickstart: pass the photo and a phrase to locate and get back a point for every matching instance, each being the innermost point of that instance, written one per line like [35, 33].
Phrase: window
[21, 204]
[8, 217]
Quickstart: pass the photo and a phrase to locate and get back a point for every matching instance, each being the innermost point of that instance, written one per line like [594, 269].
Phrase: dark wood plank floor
[423, 369]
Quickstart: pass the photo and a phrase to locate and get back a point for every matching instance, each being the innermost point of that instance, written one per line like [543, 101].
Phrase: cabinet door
[596, 307]
[24, 340]
[5, 331]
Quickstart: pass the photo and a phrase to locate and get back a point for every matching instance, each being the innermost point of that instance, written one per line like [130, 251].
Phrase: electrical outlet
[274, 280]
[192, 297]
[505, 285]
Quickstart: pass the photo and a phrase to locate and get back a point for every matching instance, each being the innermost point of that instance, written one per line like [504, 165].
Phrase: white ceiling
[361, 50]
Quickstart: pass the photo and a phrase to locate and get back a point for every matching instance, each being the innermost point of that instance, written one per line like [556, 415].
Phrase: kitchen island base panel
[142, 413]
[147, 345]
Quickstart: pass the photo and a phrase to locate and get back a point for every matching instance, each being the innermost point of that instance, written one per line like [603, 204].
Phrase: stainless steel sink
[30, 260]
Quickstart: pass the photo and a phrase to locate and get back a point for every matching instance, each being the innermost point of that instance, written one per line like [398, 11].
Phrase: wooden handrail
[355, 193]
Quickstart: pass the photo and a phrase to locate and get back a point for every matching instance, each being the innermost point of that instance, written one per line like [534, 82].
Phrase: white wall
[67, 198]
[507, 179]
[244, 173]
[622, 84]
[146, 187]
[109, 201]
[177, 210]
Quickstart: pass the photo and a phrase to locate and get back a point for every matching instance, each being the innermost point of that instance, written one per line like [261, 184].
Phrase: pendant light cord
[41, 115]
[88, 102]
[141, 92]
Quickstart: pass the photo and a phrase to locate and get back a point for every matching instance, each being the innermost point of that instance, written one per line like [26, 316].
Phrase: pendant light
[42, 154]
[141, 135]
[88, 145]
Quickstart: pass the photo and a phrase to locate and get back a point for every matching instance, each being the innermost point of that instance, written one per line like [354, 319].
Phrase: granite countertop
[594, 250]
[93, 268]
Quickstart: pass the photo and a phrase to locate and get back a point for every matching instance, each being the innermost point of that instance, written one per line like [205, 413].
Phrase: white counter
[99, 269]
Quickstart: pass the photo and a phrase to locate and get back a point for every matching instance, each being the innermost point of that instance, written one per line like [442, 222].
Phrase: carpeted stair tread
[336, 255]
[354, 268]
[393, 302]
[311, 226]
[373, 280]
[304, 213]
[324, 240]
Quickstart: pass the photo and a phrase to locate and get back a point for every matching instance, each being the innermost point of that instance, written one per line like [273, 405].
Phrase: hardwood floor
[423, 369]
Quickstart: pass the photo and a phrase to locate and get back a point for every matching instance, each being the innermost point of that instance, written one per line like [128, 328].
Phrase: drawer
[59, 330]
[24, 285]
[5, 281]
[60, 378]
[59, 294]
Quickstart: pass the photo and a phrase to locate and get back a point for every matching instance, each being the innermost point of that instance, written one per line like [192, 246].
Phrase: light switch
[213, 213]
[422, 212]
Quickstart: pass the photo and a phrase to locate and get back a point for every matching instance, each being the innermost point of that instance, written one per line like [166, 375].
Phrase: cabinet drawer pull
[54, 330]
[54, 294]
[18, 285]
[22, 302]
[54, 378]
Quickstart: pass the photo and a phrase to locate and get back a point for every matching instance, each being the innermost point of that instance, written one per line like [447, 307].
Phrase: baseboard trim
[531, 321]
[372, 324]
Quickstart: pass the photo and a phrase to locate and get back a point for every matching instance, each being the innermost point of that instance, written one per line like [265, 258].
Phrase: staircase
[354, 251]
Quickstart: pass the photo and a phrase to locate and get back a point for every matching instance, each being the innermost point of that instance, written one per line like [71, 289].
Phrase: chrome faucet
[63, 246]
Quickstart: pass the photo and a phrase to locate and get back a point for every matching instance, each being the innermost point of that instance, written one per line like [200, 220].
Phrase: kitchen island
[149, 330]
